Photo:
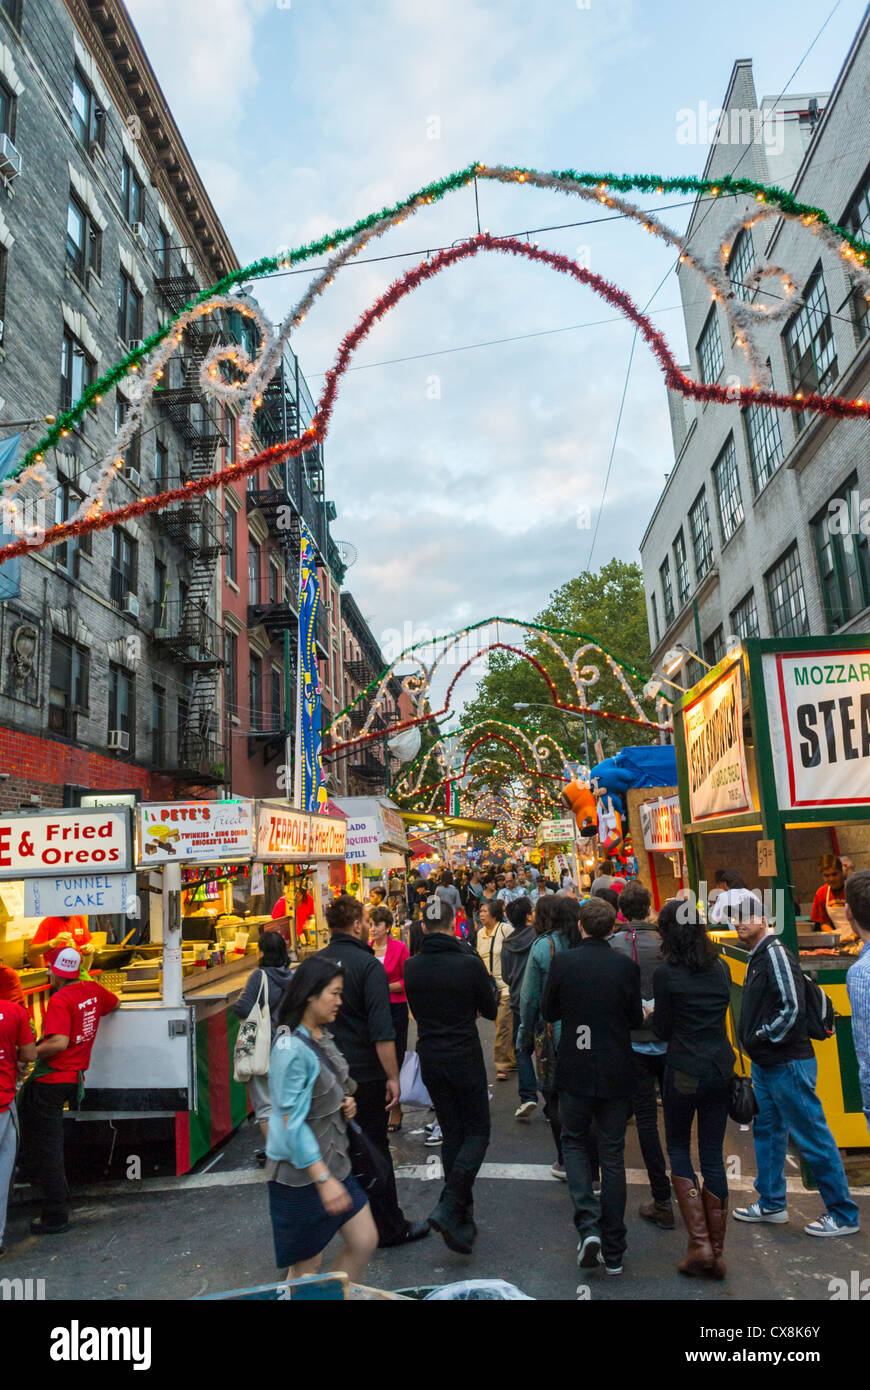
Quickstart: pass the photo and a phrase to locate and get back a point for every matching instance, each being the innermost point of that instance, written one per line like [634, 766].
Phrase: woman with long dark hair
[274, 972]
[692, 990]
[312, 1192]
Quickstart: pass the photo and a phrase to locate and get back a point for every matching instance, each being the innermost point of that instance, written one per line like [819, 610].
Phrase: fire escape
[185, 629]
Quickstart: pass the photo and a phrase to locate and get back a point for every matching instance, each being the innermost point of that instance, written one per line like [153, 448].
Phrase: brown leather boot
[716, 1213]
[699, 1254]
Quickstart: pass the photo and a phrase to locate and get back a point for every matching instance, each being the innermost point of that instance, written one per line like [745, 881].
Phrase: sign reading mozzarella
[713, 726]
[196, 831]
[662, 824]
[34, 846]
[819, 711]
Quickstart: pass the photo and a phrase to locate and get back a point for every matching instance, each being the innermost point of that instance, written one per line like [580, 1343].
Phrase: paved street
[175, 1238]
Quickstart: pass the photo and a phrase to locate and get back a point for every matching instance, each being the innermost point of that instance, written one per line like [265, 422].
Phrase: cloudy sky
[462, 472]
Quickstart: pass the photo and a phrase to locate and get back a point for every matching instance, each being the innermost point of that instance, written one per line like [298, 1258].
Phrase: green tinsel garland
[268, 265]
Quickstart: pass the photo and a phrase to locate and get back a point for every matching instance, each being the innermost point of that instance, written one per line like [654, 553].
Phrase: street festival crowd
[602, 1008]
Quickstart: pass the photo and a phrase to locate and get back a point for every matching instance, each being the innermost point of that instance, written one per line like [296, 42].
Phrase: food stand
[773, 757]
[556, 841]
[377, 842]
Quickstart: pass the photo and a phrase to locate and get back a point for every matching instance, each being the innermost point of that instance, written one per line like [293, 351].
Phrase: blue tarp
[10, 572]
[652, 766]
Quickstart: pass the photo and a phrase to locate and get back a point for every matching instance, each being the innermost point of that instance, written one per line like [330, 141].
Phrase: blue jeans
[526, 1080]
[788, 1105]
[706, 1102]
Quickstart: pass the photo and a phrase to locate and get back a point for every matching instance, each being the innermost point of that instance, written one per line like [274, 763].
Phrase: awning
[421, 850]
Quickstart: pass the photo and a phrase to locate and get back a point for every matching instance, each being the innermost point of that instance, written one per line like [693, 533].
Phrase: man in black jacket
[595, 993]
[448, 985]
[773, 1033]
[365, 1035]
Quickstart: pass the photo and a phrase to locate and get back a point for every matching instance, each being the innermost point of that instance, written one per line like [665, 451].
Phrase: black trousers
[40, 1114]
[460, 1095]
[649, 1068]
[399, 1012]
[372, 1118]
[610, 1116]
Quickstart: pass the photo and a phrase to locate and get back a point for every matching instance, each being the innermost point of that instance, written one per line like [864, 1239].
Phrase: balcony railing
[268, 604]
[195, 523]
[188, 634]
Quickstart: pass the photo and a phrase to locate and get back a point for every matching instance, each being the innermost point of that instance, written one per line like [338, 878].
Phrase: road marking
[419, 1172]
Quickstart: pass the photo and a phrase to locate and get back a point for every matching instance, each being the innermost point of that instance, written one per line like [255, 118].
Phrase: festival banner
[716, 758]
[311, 793]
[200, 831]
[819, 710]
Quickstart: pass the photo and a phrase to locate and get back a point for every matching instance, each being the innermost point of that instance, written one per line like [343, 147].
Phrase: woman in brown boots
[691, 991]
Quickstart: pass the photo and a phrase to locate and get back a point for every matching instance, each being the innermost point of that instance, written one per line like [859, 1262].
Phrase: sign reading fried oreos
[819, 712]
[715, 758]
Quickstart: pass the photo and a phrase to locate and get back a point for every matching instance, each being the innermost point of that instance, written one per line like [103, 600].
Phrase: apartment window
[164, 253]
[124, 572]
[274, 582]
[122, 714]
[83, 240]
[856, 219]
[7, 111]
[744, 618]
[255, 692]
[67, 499]
[727, 484]
[763, 443]
[842, 558]
[132, 193]
[129, 309]
[275, 701]
[253, 572]
[87, 117]
[231, 657]
[68, 685]
[710, 359]
[809, 343]
[77, 371]
[158, 725]
[714, 647]
[699, 528]
[230, 539]
[133, 454]
[161, 465]
[740, 264]
[681, 568]
[161, 593]
[655, 617]
[230, 431]
[785, 596]
[184, 734]
[667, 591]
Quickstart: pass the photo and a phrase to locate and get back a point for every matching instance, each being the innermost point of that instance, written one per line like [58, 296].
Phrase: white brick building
[739, 540]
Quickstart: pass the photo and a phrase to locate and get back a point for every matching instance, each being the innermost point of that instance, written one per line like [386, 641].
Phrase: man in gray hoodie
[638, 938]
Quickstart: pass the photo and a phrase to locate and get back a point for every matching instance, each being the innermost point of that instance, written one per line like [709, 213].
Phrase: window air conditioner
[131, 605]
[138, 230]
[119, 740]
[10, 158]
[134, 477]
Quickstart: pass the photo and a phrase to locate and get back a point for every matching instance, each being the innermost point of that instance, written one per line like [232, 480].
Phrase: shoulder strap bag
[545, 1045]
[742, 1104]
[369, 1166]
[253, 1045]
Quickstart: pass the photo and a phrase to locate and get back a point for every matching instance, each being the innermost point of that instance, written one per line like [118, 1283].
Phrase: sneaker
[526, 1110]
[433, 1124]
[558, 1171]
[828, 1225]
[434, 1136]
[755, 1212]
[609, 1268]
[589, 1252]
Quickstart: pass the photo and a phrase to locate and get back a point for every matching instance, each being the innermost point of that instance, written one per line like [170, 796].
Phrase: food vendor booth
[773, 755]
[555, 839]
[377, 842]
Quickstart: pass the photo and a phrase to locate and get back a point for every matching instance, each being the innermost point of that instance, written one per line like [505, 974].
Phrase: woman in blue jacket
[312, 1192]
[557, 918]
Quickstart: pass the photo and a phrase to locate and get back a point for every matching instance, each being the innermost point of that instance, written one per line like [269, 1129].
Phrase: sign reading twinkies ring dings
[818, 706]
[36, 846]
[285, 835]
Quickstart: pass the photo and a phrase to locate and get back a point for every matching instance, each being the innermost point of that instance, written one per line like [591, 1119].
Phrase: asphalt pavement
[177, 1238]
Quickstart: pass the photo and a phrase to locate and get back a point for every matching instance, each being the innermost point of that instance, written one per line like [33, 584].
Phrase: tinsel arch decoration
[256, 373]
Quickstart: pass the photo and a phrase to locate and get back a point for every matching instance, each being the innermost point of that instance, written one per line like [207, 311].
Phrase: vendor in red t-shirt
[69, 1030]
[16, 1046]
[10, 985]
[55, 932]
[304, 909]
[828, 911]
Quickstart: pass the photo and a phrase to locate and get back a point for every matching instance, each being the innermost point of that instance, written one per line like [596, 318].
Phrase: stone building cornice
[109, 35]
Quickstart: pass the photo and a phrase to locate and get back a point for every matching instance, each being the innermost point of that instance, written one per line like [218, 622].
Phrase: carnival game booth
[161, 1073]
[773, 757]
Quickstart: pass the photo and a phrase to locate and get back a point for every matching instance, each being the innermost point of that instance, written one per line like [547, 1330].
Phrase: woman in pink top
[392, 954]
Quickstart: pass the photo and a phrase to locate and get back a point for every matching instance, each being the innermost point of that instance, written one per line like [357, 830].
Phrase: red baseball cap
[65, 962]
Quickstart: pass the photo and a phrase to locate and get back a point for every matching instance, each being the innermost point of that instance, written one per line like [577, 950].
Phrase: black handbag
[742, 1105]
[369, 1166]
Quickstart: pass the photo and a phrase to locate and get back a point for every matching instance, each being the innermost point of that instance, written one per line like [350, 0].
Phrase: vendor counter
[838, 1087]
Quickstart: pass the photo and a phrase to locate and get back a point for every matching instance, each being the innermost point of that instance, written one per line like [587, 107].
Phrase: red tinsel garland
[675, 380]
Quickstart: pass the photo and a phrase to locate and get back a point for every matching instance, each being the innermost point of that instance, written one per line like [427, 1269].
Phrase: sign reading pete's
[715, 757]
[819, 711]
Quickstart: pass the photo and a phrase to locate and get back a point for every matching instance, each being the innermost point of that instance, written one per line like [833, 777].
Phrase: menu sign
[713, 727]
[203, 832]
[819, 712]
[662, 825]
[363, 841]
[555, 832]
[39, 845]
[287, 836]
